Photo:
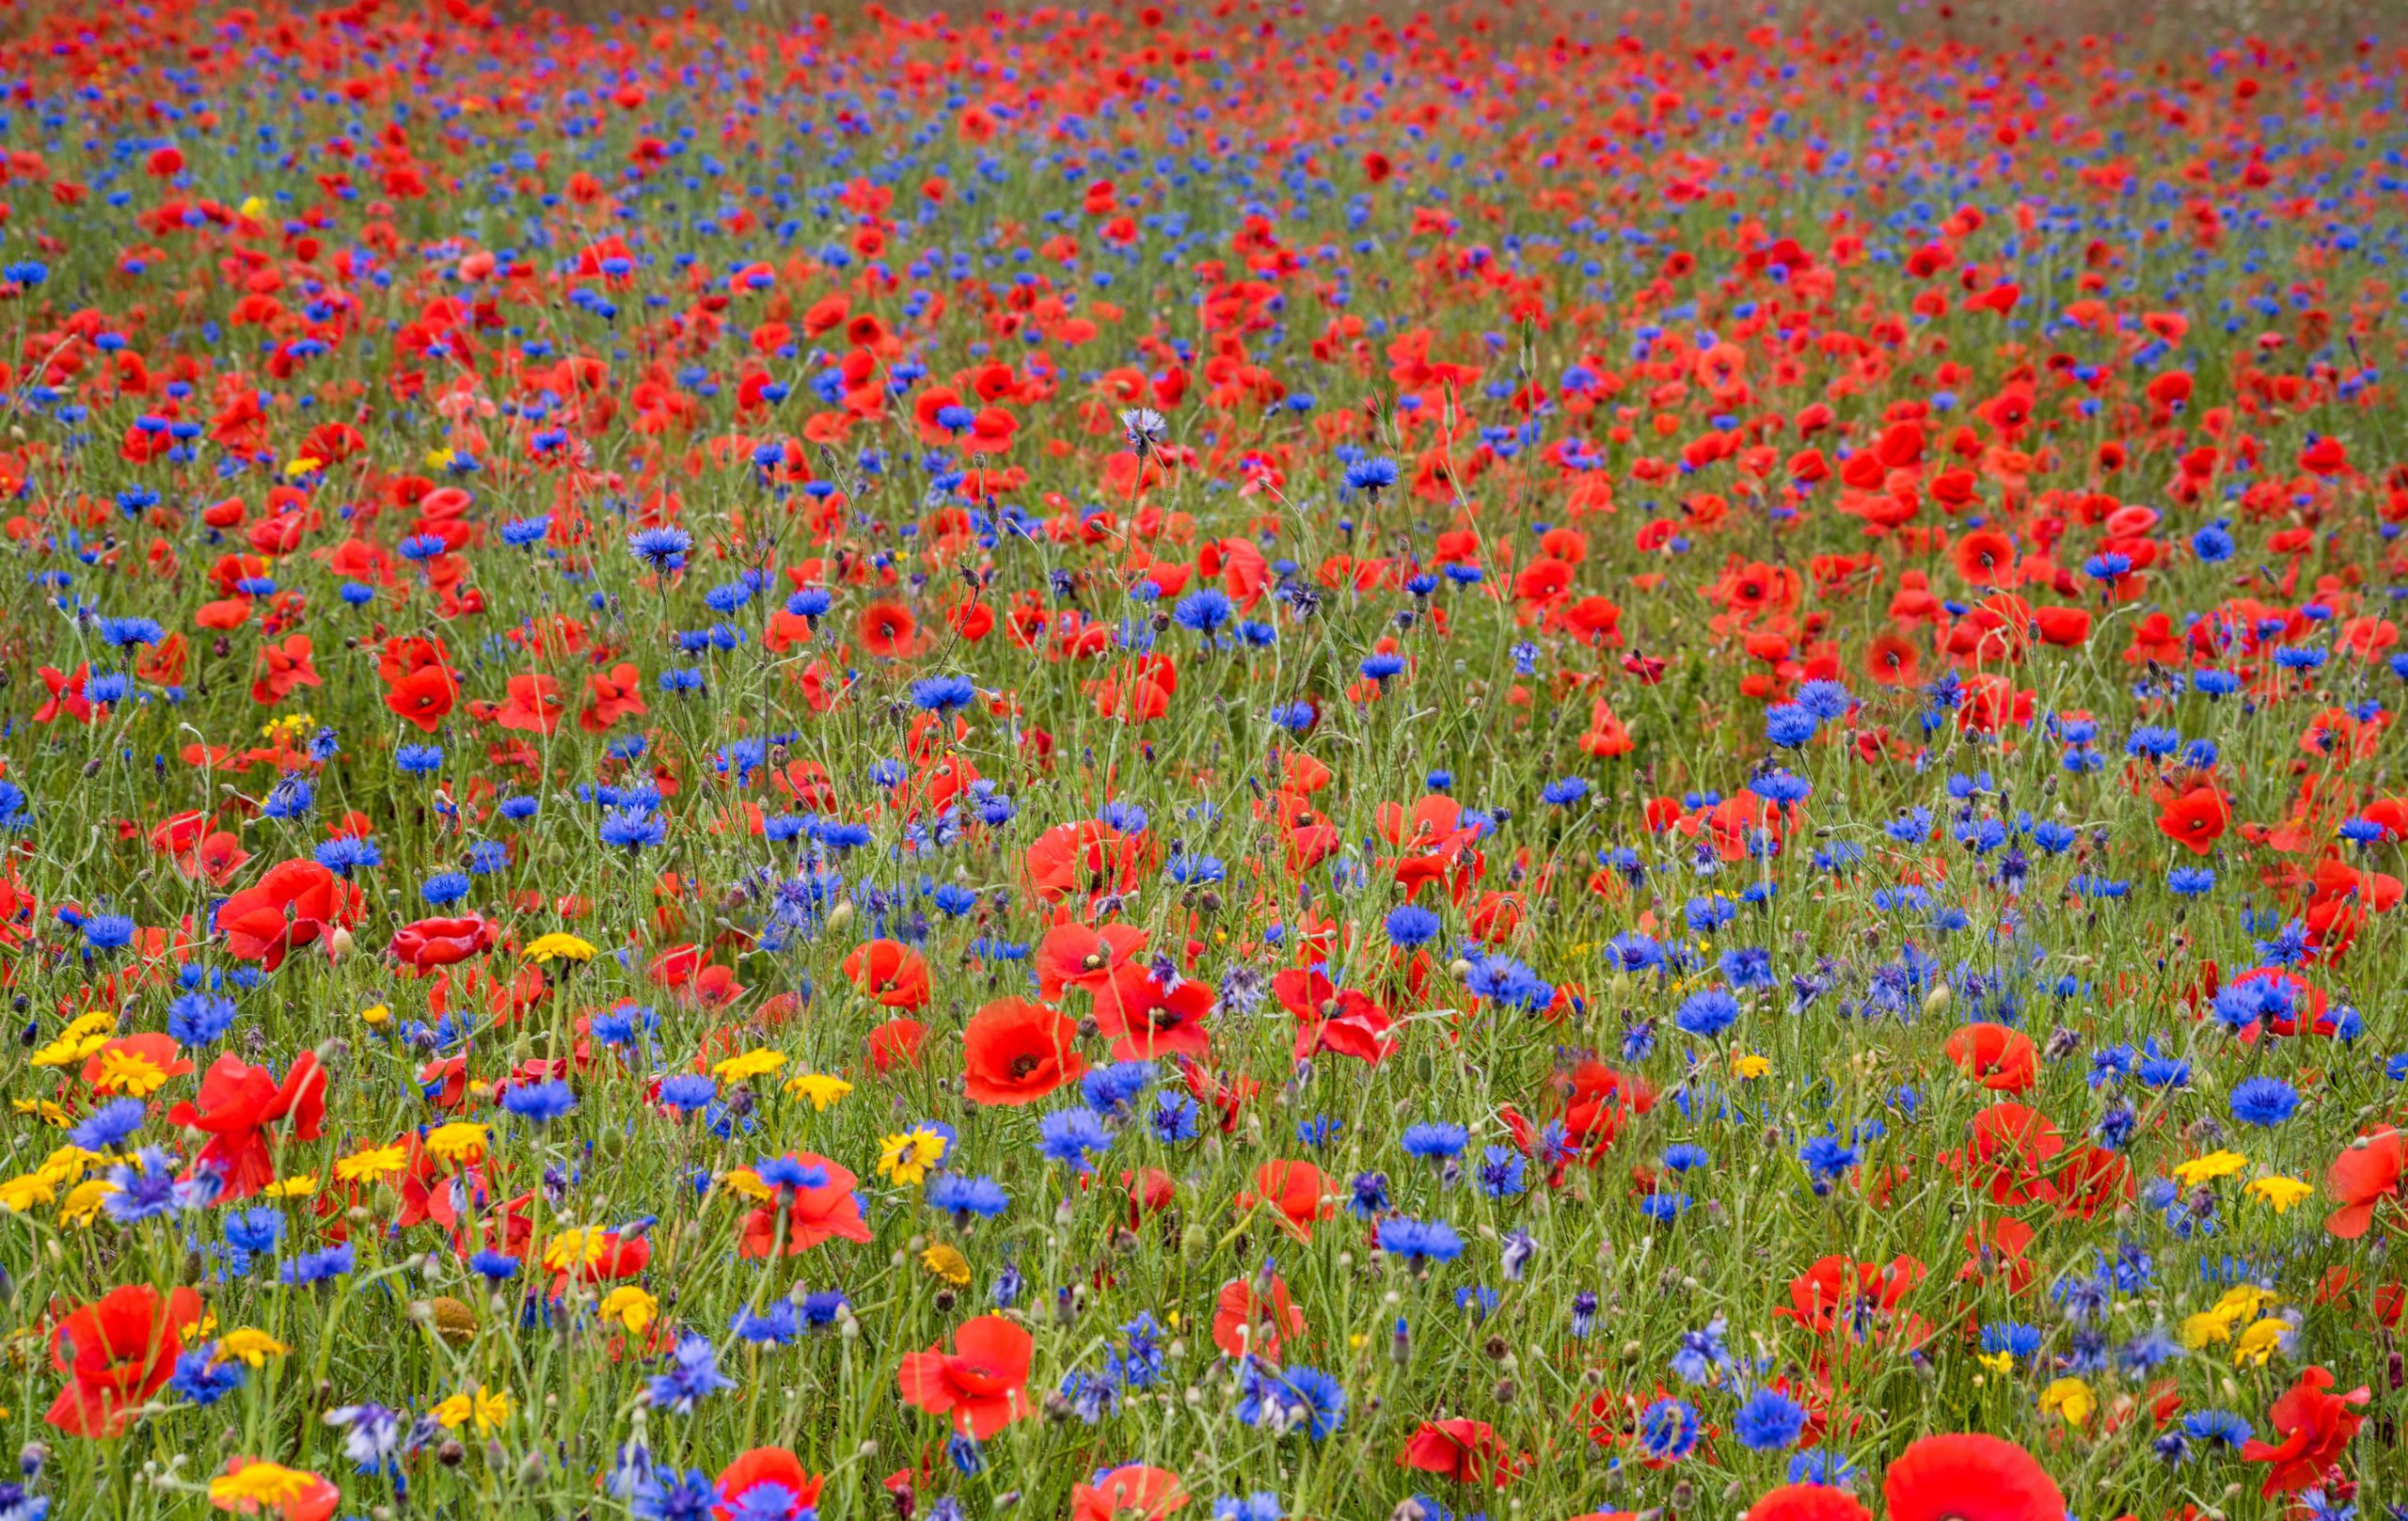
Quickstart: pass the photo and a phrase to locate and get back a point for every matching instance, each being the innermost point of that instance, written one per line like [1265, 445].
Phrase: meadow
[1258, 761]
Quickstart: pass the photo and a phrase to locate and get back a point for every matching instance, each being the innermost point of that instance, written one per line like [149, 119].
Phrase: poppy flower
[1253, 1317]
[1970, 1477]
[430, 944]
[237, 1107]
[888, 630]
[1146, 1021]
[2315, 1428]
[117, 1353]
[2000, 1059]
[2196, 820]
[2367, 1172]
[1016, 1052]
[889, 973]
[252, 1487]
[982, 1383]
[292, 907]
[817, 1213]
[1464, 1452]
[761, 1467]
[1808, 1502]
[1131, 1492]
[1084, 957]
[1295, 1190]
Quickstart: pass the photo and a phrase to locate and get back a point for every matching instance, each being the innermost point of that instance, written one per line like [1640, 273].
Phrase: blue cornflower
[108, 1127]
[688, 1091]
[662, 549]
[1202, 610]
[963, 1197]
[692, 1375]
[1769, 1421]
[1070, 1135]
[1418, 1241]
[1668, 1430]
[203, 1380]
[1434, 1141]
[1706, 1013]
[2263, 1101]
[539, 1103]
[666, 1494]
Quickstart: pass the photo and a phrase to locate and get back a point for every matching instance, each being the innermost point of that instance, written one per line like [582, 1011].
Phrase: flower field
[1228, 760]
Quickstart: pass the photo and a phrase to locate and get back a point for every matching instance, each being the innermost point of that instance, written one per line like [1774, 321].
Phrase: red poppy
[2010, 1147]
[430, 944]
[889, 973]
[1837, 1286]
[2196, 820]
[1131, 1492]
[117, 1353]
[887, 629]
[1466, 1451]
[982, 1383]
[1970, 1477]
[2315, 1427]
[1146, 1021]
[761, 1467]
[424, 696]
[1252, 1316]
[1086, 957]
[2000, 1059]
[610, 697]
[238, 1103]
[1296, 1189]
[1986, 558]
[1808, 1502]
[1331, 1019]
[895, 1043]
[822, 1212]
[2367, 1172]
[291, 907]
[1016, 1052]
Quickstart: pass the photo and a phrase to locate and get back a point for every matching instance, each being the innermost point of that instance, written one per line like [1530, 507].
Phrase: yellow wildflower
[2070, 1398]
[1997, 1362]
[1749, 1066]
[370, 1163]
[83, 1206]
[22, 1193]
[302, 465]
[300, 1185]
[376, 1016]
[261, 1486]
[2207, 1169]
[2205, 1329]
[488, 1407]
[2259, 1343]
[746, 1181]
[2279, 1194]
[945, 1263]
[252, 207]
[907, 1158]
[820, 1089]
[630, 1306]
[250, 1344]
[45, 1111]
[129, 1073]
[2246, 1302]
[461, 1142]
[745, 1065]
[76, 1042]
[557, 946]
[581, 1247]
